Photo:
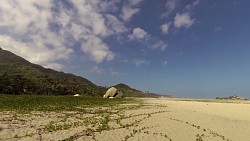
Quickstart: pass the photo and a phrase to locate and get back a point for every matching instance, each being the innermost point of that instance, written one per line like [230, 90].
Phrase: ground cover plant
[52, 114]
[54, 103]
[68, 118]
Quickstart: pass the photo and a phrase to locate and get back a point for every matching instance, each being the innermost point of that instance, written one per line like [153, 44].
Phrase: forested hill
[18, 75]
[16, 65]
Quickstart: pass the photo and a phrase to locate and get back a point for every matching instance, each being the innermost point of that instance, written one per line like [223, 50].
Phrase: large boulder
[119, 94]
[113, 93]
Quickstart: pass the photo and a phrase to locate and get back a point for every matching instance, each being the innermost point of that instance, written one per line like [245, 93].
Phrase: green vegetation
[16, 65]
[18, 76]
[54, 103]
[51, 127]
[18, 84]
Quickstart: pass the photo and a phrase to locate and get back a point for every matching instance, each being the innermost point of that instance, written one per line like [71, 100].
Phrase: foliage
[53, 103]
[18, 76]
[17, 84]
[16, 65]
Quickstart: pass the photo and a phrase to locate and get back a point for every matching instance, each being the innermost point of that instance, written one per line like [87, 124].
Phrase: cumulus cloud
[24, 30]
[130, 9]
[115, 25]
[35, 52]
[128, 13]
[97, 49]
[165, 27]
[44, 32]
[138, 33]
[183, 20]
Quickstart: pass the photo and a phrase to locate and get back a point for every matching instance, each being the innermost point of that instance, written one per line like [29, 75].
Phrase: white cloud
[44, 32]
[170, 6]
[55, 66]
[128, 12]
[97, 49]
[159, 45]
[183, 20]
[180, 20]
[21, 14]
[139, 62]
[36, 52]
[130, 9]
[115, 25]
[193, 4]
[108, 5]
[165, 27]
[134, 2]
[138, 33]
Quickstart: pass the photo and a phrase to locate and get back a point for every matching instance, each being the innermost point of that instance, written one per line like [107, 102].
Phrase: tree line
[44, 85]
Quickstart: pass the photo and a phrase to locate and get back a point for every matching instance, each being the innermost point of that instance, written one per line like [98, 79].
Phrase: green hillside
[20, 76]
[15, 65]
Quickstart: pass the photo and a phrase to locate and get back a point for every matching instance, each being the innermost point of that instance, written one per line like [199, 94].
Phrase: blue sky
[186, 48]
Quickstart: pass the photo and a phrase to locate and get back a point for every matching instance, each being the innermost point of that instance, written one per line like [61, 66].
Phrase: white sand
[157, 119]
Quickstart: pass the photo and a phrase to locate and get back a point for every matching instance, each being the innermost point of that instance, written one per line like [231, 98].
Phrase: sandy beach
[158, 119]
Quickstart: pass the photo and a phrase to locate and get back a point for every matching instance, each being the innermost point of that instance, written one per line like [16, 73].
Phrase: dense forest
[17, 84]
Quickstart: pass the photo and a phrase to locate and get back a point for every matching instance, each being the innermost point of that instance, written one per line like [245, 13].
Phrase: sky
[185, 48]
